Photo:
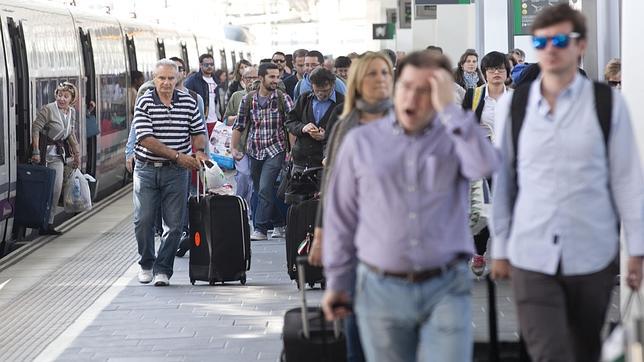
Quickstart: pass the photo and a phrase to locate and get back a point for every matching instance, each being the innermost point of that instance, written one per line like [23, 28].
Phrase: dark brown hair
[424, 59]
[559, 14]
[459, 78]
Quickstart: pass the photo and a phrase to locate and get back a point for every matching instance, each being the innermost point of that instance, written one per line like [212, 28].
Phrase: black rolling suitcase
[220, 234]
[34, 189]
[300, 224]
[307, 335]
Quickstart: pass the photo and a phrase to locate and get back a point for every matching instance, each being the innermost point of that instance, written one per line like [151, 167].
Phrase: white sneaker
[145, 276]
[161, 280]
[279, 232]
[258, 235]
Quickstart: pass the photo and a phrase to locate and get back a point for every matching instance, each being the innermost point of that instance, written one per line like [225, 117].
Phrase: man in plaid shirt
[267, 142]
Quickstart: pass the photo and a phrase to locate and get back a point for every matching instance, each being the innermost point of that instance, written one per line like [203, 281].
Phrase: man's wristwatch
[176, 158]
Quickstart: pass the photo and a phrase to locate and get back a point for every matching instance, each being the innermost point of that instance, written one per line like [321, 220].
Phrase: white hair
[165, 62]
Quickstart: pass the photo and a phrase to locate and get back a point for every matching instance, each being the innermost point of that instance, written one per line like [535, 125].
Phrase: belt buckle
[158, 164]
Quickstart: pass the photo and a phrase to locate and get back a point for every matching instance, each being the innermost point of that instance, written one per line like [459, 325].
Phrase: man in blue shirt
[560, 195]
[312, 60]
[308, 121]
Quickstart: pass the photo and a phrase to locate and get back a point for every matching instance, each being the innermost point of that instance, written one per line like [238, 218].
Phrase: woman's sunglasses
[560, 41]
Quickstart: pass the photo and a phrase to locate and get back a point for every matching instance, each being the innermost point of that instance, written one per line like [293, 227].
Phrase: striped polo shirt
[173, 126]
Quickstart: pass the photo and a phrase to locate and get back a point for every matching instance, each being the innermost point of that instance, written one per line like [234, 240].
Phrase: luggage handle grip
[301, 262]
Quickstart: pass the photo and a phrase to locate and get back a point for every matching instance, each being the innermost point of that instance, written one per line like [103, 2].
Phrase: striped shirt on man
[173, 126]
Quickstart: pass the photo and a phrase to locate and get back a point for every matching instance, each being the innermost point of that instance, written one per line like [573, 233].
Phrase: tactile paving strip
[32, 320]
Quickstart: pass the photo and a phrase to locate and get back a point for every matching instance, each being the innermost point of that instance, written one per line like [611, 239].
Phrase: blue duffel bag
[34, 190]
[224, 162]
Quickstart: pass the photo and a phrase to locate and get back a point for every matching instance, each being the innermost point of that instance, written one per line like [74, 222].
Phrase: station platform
[76, 298]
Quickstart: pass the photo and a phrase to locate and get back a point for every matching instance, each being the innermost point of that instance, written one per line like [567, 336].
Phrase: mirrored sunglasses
[560, 41]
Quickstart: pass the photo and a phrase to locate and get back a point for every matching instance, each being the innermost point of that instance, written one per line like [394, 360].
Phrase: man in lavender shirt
[397, 238]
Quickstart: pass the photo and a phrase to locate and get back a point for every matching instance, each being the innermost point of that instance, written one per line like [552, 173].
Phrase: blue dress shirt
[571, 197]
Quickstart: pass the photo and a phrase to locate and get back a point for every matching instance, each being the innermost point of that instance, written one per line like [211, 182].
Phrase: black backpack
[603, 107]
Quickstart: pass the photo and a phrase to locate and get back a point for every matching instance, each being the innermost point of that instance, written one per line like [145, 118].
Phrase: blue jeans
[403, 321]
[159, 189]
[264, 174]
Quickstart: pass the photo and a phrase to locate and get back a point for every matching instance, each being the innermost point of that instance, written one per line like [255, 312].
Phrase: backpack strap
[604, 109]
[517, 115]
[468, 99]
[281, 104]
[479, 93]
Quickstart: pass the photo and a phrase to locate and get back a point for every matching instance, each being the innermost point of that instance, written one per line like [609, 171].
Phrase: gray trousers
[561, 317]
[56, 164]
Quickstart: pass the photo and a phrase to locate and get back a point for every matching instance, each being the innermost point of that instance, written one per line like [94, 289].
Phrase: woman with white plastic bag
[78, 197]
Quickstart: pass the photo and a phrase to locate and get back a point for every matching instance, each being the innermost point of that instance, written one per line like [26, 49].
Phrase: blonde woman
[53, 140]
[368, 98]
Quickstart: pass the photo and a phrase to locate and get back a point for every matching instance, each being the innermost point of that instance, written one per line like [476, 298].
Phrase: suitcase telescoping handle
[201, 179]
[302, 261]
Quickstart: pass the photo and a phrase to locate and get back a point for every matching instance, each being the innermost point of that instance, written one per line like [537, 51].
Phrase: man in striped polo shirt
[266, 145]
[167, 124]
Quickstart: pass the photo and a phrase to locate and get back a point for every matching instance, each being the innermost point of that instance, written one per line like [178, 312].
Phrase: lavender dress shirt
[399, 201]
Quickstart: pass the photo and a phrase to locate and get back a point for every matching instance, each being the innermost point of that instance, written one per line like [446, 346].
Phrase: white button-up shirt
[571, 197]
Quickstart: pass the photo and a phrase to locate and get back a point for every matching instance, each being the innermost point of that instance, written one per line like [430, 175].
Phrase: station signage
[384, 31]
[525, 12]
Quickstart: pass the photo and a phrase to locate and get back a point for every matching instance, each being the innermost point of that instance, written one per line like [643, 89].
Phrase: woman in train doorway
[368, 98]
[53, 141]
[467, 74]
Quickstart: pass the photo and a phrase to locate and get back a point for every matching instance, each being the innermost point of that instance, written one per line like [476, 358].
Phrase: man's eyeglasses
[615, 83]
[560, 41]
[208, 64]
[499, 69]
[250, 78]
[279, 61]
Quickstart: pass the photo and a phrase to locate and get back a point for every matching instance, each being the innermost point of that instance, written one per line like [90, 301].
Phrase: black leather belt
[419, 276]
[155, 163]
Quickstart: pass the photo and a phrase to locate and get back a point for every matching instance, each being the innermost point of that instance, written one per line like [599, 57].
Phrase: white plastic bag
[77, 194]
[218, 181]
[220, 138]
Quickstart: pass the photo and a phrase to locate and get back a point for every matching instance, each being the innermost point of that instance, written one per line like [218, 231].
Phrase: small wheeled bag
[34, 190]
[307, 335]
[220, 233]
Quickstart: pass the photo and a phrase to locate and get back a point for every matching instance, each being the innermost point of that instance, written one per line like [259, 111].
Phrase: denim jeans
[159, 189]
[264, 174]
[402, 321]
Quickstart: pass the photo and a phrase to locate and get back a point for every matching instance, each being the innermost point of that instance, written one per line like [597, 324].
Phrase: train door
[21, 71]
[184, 56]
[224, 61]
[161, 48]
[7, 168]
[90, 101]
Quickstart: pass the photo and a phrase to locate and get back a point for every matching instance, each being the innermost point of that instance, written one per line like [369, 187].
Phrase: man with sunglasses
[204, 84]
[560, 195]
[279, 58]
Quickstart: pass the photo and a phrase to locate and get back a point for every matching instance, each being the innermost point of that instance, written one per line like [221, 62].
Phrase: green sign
[384, 31]
[526, 10]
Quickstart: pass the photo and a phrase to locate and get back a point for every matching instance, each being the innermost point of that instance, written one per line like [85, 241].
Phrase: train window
[113, 103]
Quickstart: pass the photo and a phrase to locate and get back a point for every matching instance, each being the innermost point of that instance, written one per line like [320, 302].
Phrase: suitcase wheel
[192, 281]
[212, 282]
[242, 280]
[311, 285]
[323, 285]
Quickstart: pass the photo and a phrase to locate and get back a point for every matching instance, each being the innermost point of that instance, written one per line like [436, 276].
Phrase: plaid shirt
[266, 133]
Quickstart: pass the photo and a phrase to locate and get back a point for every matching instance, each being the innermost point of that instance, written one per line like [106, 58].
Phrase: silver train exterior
[43, 45]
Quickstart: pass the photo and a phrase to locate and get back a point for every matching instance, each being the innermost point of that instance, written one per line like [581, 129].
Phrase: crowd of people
[423, 170]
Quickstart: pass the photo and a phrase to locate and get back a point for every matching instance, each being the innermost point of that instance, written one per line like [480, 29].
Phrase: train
[43, 45]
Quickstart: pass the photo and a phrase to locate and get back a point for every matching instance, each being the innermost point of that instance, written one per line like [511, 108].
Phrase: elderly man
[167, 124]
[397, 212]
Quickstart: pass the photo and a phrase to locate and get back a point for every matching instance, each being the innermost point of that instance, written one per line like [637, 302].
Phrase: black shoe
[49, 231]
[181, 252]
